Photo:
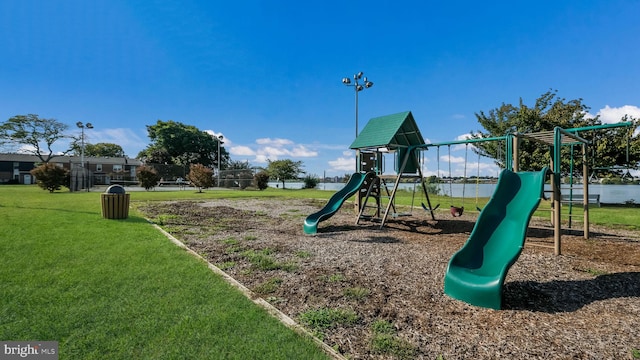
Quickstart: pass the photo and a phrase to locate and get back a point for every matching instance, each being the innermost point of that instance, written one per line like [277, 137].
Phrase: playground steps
[375, 191]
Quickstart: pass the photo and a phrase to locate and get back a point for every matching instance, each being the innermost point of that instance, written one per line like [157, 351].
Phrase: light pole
[357, 87]
[220, 138]
[82, 127]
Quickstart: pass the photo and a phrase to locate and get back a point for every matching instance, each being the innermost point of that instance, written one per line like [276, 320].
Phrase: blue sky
[267, 74]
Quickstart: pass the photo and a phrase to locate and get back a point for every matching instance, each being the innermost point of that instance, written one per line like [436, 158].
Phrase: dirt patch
[378, 293]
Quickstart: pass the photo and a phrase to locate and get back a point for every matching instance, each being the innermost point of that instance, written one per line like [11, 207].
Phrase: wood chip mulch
[584, 304]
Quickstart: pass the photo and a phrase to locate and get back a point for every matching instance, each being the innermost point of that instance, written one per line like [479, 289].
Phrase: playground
[583, 304]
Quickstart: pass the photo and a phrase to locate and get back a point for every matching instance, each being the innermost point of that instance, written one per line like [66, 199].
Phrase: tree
[310, 182]
[173, 142]
[148, 177]
[548, 112]
[50, 176]
[98, 150]
[156, 155]
[200, 176]
[615, 147]
[282, 170]
[261, 180]
[36, 134]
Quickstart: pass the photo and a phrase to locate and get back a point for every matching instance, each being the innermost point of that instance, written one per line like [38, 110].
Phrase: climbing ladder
[379, 189]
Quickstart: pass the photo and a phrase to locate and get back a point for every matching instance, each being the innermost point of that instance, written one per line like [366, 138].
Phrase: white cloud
[302, 151]
[274, 142]
[344, 163]
[466, 136]
[272, 149]
[241, 151]
[226, 141]
[260, 159]
[27, 149]
[452, 159]
[611, 115]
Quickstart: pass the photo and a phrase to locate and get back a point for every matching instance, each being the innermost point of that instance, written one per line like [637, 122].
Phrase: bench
[167, 183]
[171, 183]
[579, 198]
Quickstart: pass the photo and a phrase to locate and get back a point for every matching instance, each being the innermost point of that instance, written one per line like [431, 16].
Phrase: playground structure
[398, 134]
[476, 273]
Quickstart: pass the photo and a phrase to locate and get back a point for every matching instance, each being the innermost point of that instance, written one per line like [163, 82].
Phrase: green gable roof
[390, 131]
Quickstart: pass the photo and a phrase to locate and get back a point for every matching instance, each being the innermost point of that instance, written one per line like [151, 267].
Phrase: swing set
[625, 170]
[457, 211]
[399, 134]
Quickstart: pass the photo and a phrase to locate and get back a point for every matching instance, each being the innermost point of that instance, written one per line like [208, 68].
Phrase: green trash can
[115, 203]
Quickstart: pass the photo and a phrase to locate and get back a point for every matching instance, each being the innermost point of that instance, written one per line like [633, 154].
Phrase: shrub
[148, 177]
[310, 182]
[432, 188]
[200, 176]
[50, 177]
[261, 180]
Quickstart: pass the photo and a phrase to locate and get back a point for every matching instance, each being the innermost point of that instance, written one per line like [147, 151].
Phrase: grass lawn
[118, 289]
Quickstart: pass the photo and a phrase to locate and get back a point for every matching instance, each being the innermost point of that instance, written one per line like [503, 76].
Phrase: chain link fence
[236, 178]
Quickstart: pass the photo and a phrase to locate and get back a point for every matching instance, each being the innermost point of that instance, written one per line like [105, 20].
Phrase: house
[15, 168]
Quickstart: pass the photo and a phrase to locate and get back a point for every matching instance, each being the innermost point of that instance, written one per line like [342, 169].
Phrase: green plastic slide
[476, 272]
[355, 183]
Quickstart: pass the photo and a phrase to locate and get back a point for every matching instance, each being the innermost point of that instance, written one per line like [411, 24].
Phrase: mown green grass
[118, 289]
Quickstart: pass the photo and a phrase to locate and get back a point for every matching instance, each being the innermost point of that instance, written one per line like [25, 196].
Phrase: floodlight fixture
[83, 126]
[357, 87]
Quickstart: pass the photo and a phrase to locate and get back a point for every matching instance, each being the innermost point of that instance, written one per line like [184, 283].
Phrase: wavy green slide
[476, 272]
[335, 202]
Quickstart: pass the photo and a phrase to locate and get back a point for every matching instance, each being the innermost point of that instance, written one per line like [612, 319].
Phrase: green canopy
[390, 131]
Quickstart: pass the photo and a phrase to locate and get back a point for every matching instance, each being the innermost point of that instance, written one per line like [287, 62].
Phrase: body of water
[610, 194]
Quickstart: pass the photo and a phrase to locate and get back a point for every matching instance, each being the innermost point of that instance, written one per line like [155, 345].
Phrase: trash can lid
[115, 189]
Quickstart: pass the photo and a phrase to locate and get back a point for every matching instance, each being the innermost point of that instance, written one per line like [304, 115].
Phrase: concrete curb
[283, 318]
